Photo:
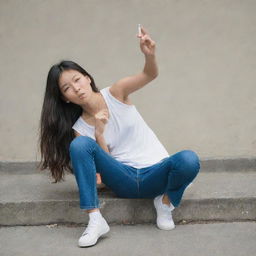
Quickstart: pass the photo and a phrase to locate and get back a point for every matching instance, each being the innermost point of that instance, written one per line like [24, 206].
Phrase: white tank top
[129, 139]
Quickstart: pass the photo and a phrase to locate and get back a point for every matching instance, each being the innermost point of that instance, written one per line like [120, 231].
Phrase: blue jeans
[171, 175]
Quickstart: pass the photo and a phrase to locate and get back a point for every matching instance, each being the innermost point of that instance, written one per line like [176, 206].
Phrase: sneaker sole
[164, 228]
[95, 241]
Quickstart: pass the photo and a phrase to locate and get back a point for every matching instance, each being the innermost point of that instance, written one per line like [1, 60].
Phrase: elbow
[156, 75]
[152, 76]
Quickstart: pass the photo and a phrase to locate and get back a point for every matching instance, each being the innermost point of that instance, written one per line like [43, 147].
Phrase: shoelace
[166, 211]
[90, 227]
[166, 207]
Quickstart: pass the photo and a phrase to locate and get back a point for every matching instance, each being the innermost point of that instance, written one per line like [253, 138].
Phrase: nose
[76, 87]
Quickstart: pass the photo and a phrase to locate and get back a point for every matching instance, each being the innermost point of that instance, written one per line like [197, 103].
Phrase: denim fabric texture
[171, 175]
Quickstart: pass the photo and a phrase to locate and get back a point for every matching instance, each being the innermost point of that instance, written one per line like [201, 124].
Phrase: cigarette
[139, 29]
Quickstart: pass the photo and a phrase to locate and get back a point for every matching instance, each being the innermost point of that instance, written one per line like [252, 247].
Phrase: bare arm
[125, 86]
[101, 141]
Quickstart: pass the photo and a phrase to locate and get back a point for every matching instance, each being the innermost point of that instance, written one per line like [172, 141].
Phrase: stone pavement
[214, 239]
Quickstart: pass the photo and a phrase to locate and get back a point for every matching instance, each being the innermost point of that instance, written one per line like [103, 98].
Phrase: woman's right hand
[101, 119]
[98, 178]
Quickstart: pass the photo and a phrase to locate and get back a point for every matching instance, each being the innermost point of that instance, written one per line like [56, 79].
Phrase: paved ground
[231, 239]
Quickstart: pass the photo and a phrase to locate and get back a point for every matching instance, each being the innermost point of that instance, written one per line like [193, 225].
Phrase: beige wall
[204, 98]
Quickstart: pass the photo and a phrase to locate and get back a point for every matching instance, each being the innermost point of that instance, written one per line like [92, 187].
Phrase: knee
[81, 143]
[190, 161]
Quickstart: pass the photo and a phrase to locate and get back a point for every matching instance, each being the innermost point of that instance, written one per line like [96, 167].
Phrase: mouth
[81, 96]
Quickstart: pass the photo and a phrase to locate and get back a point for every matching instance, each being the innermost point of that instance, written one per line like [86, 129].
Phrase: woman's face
[74, 86]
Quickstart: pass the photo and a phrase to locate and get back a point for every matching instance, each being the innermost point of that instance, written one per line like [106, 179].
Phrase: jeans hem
[84, 207]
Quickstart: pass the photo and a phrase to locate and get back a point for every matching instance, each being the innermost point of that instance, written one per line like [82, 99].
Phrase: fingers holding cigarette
[141, 31]
[147, 45]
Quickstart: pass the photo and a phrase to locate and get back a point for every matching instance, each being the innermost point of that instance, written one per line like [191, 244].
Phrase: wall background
[204, 98]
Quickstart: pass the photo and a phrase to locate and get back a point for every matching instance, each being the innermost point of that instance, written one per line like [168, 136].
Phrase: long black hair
[57, 119]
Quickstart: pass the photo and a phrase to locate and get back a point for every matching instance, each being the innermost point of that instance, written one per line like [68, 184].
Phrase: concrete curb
[30, 199]
[207, 165]
[126, 211]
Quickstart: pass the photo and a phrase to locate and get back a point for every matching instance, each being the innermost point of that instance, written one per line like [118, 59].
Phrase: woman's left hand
[147, 45]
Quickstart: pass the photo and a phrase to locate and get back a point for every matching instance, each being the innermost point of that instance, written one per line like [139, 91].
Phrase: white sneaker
[164, 214]
[94, 230]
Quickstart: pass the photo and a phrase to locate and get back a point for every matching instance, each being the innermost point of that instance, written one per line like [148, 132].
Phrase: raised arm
[128, 85]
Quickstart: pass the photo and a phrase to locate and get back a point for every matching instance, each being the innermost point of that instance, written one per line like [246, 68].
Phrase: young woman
[100, 137]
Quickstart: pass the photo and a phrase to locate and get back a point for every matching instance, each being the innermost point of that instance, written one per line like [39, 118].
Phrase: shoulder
[118, 94]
